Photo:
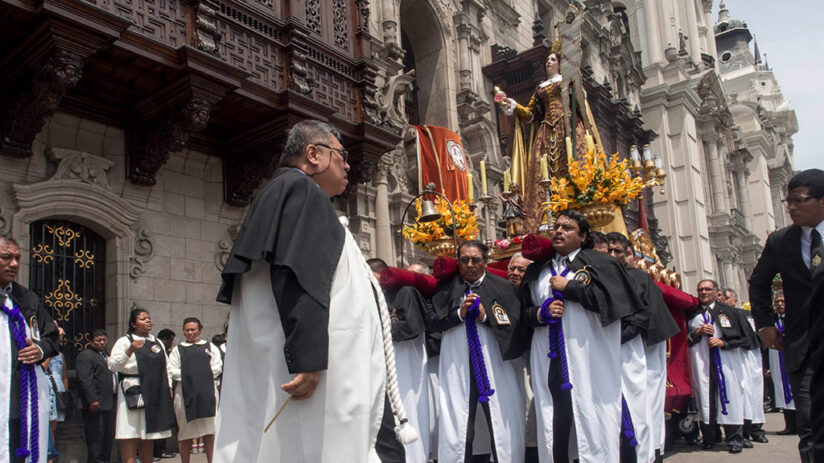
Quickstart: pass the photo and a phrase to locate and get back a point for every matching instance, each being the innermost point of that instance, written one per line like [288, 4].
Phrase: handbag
[63, 399]
[132, 392]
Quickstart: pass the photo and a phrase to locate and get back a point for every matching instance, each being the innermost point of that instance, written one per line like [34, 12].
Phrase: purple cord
[28, 388]
[476, 354]
[719, 371]
[785, 381]
[557, 343]
[626, 423]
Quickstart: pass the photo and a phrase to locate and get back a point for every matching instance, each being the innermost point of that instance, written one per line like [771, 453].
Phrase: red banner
[442, 161]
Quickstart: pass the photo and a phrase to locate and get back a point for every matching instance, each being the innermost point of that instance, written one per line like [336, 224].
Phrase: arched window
[68, 273]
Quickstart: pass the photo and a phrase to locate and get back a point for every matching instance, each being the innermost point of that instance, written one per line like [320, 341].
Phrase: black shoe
[786, 432]
[735, 449]
[761, 439]
[707, 446]
[747, 444]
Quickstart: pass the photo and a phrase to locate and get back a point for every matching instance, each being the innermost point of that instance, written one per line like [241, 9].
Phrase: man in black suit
[97, 396]
[795, 252]
[41, 343]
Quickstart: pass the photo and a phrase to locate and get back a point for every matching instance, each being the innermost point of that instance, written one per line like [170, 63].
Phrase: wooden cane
[278, 413]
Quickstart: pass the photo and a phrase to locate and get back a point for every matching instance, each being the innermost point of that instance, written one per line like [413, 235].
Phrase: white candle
[470, 195]
[483, 178]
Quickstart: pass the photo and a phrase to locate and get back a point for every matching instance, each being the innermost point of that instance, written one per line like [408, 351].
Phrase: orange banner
[442, 161]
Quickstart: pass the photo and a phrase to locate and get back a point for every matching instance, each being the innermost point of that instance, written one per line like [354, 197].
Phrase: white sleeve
[216, 363]
[119, 362]
[510, 109]
[174, 364]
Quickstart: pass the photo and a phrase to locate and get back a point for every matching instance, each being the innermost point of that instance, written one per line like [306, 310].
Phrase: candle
[590, 143]
[483, 178]
[633, 154]
[470, 194]
[658, 163]
[544, 168]
[507, 180]
[570, 156]
[647, 153]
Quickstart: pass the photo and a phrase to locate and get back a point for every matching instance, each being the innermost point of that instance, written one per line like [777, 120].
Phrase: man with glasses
[307, 326]
[517, 268]
[796, 252]
[479, 362]
[28, 336]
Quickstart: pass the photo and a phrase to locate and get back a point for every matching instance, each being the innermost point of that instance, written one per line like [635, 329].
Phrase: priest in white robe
[306, 327]
[28, 336]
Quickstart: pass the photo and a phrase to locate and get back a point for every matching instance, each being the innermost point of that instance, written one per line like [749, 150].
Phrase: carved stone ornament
[391, 98]
[143, 252]
[362, 7]
[244, 172]
[3, 222]
[368, 90]
[224, 247]
[205, 30]
[81, 166]
[153, 144]
[25, 108]
[299, 76]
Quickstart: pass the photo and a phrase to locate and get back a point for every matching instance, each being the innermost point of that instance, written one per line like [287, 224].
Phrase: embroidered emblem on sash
[582, 276]
[394, 318]
[35, 329]
[816, 260]
[156, 349]
[724, 321]
[500, 315]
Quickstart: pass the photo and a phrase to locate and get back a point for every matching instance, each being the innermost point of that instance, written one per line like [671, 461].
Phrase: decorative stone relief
[143, 252]
[3, 222]
[362, 7]
[390, 99]
[313, 15]
[206, 36]
[340, 18]
[224, 247]
[81, 166]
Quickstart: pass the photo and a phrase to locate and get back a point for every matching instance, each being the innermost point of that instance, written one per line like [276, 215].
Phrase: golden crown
[556, 46]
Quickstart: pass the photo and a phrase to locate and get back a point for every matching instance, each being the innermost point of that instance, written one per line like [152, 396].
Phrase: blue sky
[791, 33]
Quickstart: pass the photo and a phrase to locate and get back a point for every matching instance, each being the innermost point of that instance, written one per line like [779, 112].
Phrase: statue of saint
[513, 210]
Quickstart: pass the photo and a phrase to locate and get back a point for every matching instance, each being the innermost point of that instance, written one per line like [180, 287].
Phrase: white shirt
[472, 286]
[806, 239]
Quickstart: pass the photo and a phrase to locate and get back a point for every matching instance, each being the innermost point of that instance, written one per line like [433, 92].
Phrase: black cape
[608, 291]
[197, 381]
[752, 335]
[659, 325]
[293, 226]
[734, 336]
[30, 308]
[494, 290]
[408, 311]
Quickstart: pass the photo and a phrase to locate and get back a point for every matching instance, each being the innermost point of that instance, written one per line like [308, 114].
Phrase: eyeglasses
[343, 153]
[798, 201]
[8, 257]
[475, 260]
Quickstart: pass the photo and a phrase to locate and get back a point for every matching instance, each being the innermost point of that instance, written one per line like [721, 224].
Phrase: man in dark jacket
[97, 397]
[795, 252]
[31, 337]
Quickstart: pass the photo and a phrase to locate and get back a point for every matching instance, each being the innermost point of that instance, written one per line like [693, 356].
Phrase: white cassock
[5, 395]
[340, 422]
[434, 403]
[656, 356]
[594, 359]
[413, 384]
[634, 385]
[754, 382]
[732, 362]
[778, 386]
[506, 405]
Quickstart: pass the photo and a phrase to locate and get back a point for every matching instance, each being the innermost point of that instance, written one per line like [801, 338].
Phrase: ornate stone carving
[81, 166]
[153, 143]
[224, 248]
[313, 15]
[340, 18]
[362, 7]
[3, 222]
[299, 75]
[390, 99]
[368, 90]
[244, 172]
[143, 252]
[205, 28]
[26, 107]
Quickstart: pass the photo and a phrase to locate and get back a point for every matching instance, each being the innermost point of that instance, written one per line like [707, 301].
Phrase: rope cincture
[476, 353]
[785, 380]
[557, 343]
[719, 371]
[28, 389]
[626, 423]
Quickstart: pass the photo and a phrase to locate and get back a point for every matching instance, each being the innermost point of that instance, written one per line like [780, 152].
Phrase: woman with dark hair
[144, 395]
[195, 364]
[544, 135]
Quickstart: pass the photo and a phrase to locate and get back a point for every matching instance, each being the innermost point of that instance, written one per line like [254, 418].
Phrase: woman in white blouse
[144, 396]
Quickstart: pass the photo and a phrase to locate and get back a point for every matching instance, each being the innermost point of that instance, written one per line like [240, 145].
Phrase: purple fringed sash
[557, 344]
[476, 354]
[626, 423]
[28, 388]
[719, 371]
[785, 381]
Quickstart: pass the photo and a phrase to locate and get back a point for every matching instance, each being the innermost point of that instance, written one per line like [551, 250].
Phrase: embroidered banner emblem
[35, 329]
[724, 321]
[582, 276]
[156, 349]
[500, 315]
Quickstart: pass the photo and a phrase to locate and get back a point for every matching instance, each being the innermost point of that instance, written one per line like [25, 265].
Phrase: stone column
[742, 178]
[710, 139]
[383, 231]
[694, 41]
[464, 69]
[707, 6]
[655, 49]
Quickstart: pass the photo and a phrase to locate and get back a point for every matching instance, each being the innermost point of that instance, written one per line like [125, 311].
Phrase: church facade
[135, 133]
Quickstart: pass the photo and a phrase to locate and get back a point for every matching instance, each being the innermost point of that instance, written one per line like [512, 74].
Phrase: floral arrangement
[422, 233]
[506, 243]
[595, 181]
